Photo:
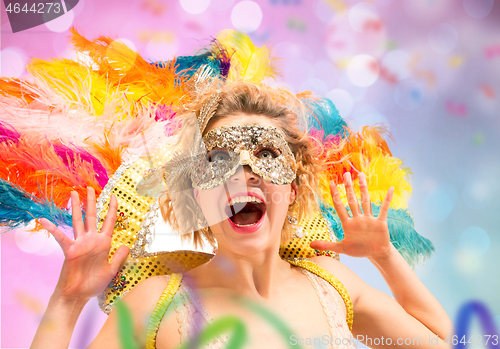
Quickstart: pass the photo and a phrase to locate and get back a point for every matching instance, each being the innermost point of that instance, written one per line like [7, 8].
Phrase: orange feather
[40, 171]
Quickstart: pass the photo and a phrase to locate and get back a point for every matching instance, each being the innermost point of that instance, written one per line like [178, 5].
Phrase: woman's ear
[293, 192]
[195, 194]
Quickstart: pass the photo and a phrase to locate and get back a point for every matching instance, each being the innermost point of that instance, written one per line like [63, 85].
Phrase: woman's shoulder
[146, 293]
[346, 276]
[140, 301]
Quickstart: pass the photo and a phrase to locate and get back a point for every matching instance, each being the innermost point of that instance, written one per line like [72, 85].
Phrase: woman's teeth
[241, 199]
[245, 210]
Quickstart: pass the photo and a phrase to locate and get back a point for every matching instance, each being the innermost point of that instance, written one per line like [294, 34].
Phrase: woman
[246, 208]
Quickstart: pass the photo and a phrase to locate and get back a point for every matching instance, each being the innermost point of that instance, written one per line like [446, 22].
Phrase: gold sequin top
[191, 315]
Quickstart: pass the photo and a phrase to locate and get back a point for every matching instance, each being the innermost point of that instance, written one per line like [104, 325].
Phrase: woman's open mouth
[245, 211]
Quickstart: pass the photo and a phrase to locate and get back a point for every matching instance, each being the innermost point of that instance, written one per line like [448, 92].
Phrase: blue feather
[19, 208]
[187, 65]
[324, 115]
[413, 247]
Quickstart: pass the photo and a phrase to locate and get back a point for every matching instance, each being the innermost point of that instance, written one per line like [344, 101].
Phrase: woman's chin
[248, 240]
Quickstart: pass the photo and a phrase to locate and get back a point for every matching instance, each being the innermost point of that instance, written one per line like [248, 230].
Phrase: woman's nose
[244, 174]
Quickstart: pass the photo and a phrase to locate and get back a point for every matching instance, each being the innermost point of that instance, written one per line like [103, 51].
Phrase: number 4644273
[41, 7]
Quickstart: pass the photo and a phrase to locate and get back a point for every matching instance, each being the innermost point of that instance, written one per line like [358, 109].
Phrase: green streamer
[125, 327]
[237, 339]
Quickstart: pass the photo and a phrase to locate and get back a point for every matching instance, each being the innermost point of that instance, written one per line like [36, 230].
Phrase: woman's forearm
[58, 323]
[412, 294]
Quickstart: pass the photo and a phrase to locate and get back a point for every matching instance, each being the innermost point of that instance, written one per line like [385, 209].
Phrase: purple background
[437, 88]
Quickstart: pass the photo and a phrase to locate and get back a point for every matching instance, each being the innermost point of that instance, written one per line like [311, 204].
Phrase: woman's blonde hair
[288, 113]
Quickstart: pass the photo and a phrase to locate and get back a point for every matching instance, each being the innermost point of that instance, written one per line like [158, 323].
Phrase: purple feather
[68, 154]
[164, 112]
[223, 57]
[8, 133]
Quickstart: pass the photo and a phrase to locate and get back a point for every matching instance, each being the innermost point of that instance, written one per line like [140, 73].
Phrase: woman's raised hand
[364, 234]
[86, 270]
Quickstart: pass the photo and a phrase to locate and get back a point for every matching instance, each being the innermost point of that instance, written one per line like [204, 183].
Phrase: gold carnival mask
[263, 148]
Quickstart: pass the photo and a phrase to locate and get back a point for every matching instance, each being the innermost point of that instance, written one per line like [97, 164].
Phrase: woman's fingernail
[362, 177]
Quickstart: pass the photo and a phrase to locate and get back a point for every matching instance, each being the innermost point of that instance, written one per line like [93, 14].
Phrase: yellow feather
[370, 156]
[248, 62]
[384, 172]
[74, 81]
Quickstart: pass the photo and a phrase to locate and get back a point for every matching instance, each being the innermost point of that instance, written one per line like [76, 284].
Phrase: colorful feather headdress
[108, 121]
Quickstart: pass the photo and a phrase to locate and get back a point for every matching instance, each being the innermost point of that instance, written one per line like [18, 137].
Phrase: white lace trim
[330, 301]
[193, 317]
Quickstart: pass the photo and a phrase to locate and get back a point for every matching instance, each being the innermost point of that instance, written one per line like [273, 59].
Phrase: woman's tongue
[246, 218]
[246, 215]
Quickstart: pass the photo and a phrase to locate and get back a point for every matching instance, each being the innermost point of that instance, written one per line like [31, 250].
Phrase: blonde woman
[246, 209]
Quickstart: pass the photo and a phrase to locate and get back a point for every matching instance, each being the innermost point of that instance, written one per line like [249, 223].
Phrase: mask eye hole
[218, 155]
[267, 153]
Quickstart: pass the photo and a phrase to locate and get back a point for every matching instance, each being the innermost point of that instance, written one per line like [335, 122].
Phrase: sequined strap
[326, 275]
[161, 308]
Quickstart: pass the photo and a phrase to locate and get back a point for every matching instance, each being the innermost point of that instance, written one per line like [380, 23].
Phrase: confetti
[155, 6]
[488, 91]
[297, 24]
[387, 75]
[492, 51]
[478, 139]
[337, 5]
[156, 36]
[29, 301]
[455, 108]
[426, 75]
[372, 25]
[456, 61]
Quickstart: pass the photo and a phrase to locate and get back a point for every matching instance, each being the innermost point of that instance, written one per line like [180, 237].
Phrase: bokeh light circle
[443, 38]
[362, 15]
[467, 264]
[476, 194]
[439, 202]
[315, 85]
[61, 24]
[13, 61]
[397, 62]
[327, 72]
[474, 241]
[221, 5]
[128, 43]
[35, 243]
[194, 7]
[323, 11]
[478, 8]
[366, 115]
[297, 71]
[339, 42]
[426, 10]
[342, 100]
[161, 50]
[409, 95]
[381, 96]
[362, 70]
[246, 16]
